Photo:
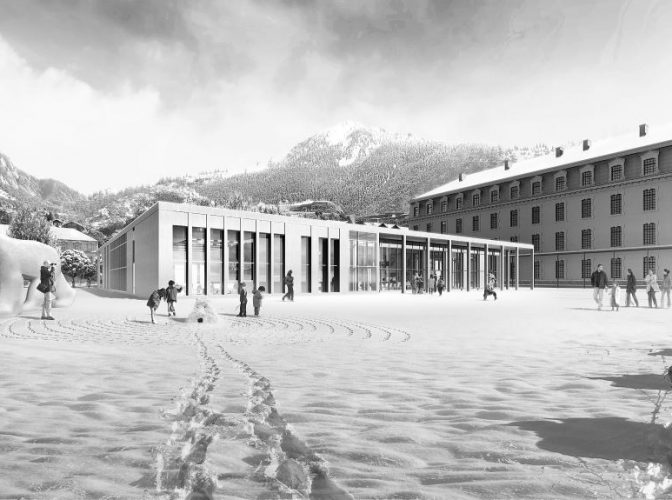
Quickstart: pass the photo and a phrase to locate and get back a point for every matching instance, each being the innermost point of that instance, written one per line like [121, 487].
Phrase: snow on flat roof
[61, 233]
[598, 150]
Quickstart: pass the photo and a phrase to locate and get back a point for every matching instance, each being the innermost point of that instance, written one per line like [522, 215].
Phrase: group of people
[435, 284]
[599, 282]
[169, 294]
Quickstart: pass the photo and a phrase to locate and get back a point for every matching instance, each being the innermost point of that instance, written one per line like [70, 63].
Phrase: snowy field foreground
[537, 395]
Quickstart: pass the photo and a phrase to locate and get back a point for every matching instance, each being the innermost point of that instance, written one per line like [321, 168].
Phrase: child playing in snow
[257, 298]
[154, 301]
[171, 296]
[615, 295]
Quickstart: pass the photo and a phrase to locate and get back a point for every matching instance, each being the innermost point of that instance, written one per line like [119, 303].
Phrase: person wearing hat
[46, 286]
[666, 286]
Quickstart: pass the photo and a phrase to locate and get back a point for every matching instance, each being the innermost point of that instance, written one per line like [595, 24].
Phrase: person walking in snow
[490, 287]
[171, 296]
[46, 286]
[257, 297]
[666, 287]
[432, 284]
[289, 283]
[652, 287]
[440, 284]
[631, 289]
[598, 280]
[615, 296]
[242, 292]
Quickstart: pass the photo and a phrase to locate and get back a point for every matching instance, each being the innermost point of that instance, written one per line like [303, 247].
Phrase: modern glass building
[210, 250]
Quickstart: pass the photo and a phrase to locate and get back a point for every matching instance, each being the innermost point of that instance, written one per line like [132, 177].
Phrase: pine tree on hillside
[31, 224]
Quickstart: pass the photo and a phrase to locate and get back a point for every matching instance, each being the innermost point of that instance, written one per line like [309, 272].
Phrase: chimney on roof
[643, 129]
[460, 178]
[586, 144]
[559, 151]
[506, 165]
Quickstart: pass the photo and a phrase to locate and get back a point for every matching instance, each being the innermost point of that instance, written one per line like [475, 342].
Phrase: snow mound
[202, 313]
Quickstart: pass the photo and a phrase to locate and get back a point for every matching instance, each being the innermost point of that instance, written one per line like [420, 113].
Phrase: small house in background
[69, 238]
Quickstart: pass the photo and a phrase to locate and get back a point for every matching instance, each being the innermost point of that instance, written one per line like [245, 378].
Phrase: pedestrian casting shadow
[232, 315]
[594, 309]
[609, 438]
[647, 381]
[662, 352]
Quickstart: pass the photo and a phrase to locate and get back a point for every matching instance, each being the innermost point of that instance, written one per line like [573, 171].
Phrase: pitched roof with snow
[600, 150]
[60, 233]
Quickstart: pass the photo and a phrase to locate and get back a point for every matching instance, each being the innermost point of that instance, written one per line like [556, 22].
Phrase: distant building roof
[60, 233]
[570, 157]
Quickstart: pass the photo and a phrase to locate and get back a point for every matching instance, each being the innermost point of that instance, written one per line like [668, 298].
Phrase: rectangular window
[429, 227]
[494, 196]
[560, 183]
[616, 267]
[536, 215]
[444, 227]
[649, 166]
[306, 257]
[586, 268]
[278, 263]
[264, 261]
[513, 239]
[559, 212]
[444, 207]
[475, 200]
[586, 238]
[416, 211]
[430, 208]
[649, 263]
[515, 192]
[458, 203]
[513, 218]
[536, 187]
[493, 221]
[616, 204]
[216, 264]
[475, 223]
[249, 242]
[416, 228]
[197, 276]
[458, 226]
[559, 269]
[616, 173]
[536, 241]
[587, 178]
[586, 208]
[616, 236]
[233, 266]
[650, 233]
[560, 241]
[649, 199]
[537, 270]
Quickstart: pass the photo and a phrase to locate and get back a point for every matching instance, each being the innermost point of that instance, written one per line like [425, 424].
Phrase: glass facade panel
[233, 266]
[437, 257]
[458, 268]
[362, 261]
[216, 265]
[117, 264]
[279, 263]
[335, 266]
[305, 264]
[391, 265]
[197, 261]
[415, 264]
[323, 285]
[180, 254]
[264, 262]
[249, 243]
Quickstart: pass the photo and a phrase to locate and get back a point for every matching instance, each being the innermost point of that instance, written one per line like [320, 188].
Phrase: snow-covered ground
[536, 395]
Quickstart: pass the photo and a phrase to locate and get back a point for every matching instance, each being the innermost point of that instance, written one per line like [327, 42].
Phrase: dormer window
[494, 194]
[561, 181]
[514, 190]
[617, 170]
[476, 199]
[536, 186]
[587, 176]
[650, 163]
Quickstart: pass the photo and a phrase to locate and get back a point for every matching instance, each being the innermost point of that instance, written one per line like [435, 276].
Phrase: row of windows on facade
[649, 167]
[616, 268]
[615, 208]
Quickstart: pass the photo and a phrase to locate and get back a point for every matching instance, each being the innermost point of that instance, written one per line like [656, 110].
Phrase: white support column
[446, 266]
[225, 264]
[377, 260]
[486, 266]
[187, 285]
[468, 280]
[207, 255]
[255, 264]
[517, 266]
[403, 263]
[428, 264]
[501, 269]
[272, 262]
[532, 271]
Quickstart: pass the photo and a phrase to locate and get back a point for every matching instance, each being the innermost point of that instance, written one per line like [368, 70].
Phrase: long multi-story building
[607, 203]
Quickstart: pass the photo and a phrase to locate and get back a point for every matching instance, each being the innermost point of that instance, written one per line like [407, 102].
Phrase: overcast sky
[109, 93]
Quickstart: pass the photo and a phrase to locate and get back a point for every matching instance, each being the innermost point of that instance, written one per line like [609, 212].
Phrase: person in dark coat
[289, 282]
[242, 292]
[257, 297]
[154, 301]
[47, 280]
[171, 296]
[631, 289]
[598, 280]
[440, 284]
